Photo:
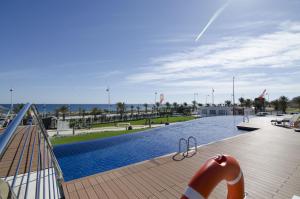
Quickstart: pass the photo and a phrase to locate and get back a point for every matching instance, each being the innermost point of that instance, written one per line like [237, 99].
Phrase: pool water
[86, 158]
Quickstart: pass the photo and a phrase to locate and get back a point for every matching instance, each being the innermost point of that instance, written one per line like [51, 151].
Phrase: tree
[17, 107]
[200, 104]
[194, 105]
[259, 104]
[157, 104]
[57, 113]
[146, 107]
[175, 106]
[227, 103]
[275, 104]
[283, 102]
[248, 103]
[131, 110]
[64, 110]
[121, 108]
[95, 112]
[168, 105]
[296, 100]
[185, 104]
[242, 101]
[83, 113]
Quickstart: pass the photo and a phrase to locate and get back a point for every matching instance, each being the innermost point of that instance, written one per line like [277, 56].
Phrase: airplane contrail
[212, 19]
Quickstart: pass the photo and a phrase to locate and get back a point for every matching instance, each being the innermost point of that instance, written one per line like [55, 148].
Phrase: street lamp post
[11, 99]
[233, 96]
[195, 94]
[206, 99]
[44, 109]
[212, 97]
[108, 98]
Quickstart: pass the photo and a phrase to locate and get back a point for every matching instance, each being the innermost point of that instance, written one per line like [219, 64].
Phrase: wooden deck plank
[125, 189]
[99, 191]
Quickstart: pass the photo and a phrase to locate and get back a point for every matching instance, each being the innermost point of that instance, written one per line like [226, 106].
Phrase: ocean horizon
[50, 108]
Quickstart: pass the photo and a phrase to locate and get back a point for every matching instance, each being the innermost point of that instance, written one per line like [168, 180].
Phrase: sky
[70, 51]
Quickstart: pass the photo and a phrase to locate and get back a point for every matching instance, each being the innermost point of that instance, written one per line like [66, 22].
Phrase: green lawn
[160, 120]
[89, 136]
[290, 110]
[92, 136]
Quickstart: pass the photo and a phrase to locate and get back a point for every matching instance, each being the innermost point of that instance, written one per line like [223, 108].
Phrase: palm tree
[95, 112]
[168, 105]
[242, 101]
[248, 103]
[83, 113]
[175, 106]
[275, 104]
[296, 100]
[17, 108]
[283, 102]
[157, 104]
[185, 104]
[194, 105]
[57, 113]
[228, 103]
[121, 108]
[64, 110]
[131, 110]
[146, 107]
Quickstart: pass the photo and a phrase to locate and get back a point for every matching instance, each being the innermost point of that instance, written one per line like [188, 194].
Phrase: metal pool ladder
[188, 148]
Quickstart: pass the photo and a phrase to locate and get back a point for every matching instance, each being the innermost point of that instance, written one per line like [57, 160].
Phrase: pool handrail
[188, 144]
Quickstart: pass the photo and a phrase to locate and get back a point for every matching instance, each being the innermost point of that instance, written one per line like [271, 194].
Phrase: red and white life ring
[214, 170]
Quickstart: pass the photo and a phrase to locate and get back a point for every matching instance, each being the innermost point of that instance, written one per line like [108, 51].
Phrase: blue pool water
[87, 158]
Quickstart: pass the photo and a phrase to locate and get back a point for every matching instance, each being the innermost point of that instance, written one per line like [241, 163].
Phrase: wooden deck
[9, 161]
[269, 158]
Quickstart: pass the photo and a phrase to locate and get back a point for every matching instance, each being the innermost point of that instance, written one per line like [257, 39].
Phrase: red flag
[162, 98]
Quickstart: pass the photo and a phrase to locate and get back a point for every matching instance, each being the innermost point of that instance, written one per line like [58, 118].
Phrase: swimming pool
[87, 158]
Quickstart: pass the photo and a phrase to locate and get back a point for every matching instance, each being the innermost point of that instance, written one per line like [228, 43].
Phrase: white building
[207, 111]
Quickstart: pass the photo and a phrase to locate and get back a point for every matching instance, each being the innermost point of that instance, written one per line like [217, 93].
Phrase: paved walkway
[269, 158]
[69, 132]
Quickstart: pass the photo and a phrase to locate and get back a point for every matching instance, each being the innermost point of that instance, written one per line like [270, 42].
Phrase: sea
[50, 108]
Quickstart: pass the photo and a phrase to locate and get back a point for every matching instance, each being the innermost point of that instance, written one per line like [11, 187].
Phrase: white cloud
[257, 61]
